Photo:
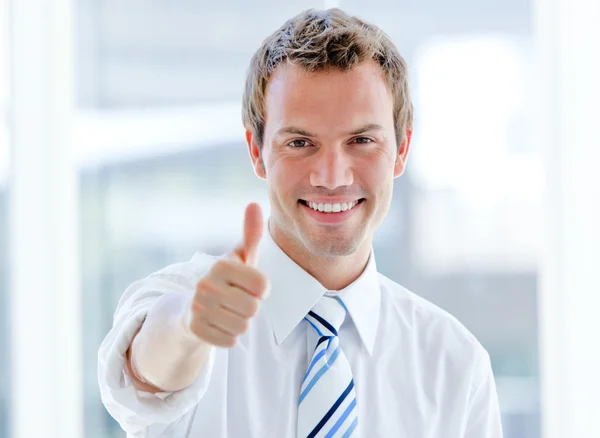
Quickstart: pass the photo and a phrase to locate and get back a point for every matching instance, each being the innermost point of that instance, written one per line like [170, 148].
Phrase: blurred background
[146, 95]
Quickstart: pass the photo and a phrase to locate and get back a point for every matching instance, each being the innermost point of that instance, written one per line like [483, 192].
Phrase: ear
[402, 155]
[255, 155]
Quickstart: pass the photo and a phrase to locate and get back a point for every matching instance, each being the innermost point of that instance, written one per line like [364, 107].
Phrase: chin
[326, 245]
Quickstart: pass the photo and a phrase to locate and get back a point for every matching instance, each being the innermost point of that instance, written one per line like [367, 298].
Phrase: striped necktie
[327, 403]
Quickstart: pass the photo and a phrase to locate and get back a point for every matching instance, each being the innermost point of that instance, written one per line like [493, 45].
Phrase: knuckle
[205, 287]
[253, 306]
[261, 283]
[206, 299]
[196, 308]
[208, 293]
[201, 288]
[229, 341]
[197, 328]
[202, 285]
[244, 325]
[221, 267]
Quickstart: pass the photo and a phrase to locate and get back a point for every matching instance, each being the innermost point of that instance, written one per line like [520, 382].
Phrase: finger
[253, 231]
[207, 295]
[231, 305]
[227, 321]
[213, 335]
[239, 302]
[230, 273]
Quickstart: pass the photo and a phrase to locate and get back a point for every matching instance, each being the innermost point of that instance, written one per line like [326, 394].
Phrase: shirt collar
[294, 292]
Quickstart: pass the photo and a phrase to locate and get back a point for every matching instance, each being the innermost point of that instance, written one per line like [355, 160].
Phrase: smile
[332, 208]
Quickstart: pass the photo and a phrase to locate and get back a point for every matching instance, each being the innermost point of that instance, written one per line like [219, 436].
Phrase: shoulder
[432, 328]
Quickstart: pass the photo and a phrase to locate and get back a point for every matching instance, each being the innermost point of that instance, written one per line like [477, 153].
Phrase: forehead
[331, 97]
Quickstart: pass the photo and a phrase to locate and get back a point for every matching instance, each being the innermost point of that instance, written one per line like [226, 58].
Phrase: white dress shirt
[417, 371]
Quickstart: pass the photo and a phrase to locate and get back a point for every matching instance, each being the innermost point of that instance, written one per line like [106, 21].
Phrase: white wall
[568, 43]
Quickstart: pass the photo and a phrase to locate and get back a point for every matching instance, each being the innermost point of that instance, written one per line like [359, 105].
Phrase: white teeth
[332, 208]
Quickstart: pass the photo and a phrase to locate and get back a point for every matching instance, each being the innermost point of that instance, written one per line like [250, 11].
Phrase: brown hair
[319, 40]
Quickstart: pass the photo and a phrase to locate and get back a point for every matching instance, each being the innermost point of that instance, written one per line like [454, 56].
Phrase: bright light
[469, 103]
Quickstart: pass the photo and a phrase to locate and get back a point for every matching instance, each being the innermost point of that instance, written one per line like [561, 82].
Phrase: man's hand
[230, 294]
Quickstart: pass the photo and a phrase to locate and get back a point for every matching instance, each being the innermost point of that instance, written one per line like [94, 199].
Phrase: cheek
[378, 174]
[285, 175]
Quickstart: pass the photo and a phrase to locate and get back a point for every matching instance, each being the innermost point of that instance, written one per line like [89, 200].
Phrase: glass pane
[138, 53]
[141, 216]
[461, 230]
[5, 330]
[470, 200]
[5, 393]
[147, 203]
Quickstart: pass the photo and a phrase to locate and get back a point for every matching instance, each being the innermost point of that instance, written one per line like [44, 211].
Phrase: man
[295, 333]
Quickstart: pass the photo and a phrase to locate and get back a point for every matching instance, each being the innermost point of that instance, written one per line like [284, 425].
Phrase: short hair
[318, 40]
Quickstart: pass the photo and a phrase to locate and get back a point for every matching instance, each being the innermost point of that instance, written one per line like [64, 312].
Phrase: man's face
[329, 143]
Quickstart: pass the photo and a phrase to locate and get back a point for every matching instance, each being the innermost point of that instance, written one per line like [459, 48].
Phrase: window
[164, 167]
[479, 204]
[469, 204]
[164, 172]
[5, 393]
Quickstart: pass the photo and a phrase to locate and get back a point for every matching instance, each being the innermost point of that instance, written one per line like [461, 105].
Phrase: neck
[333, 272]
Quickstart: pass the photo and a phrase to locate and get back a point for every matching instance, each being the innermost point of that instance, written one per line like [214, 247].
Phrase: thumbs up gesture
[230, 294]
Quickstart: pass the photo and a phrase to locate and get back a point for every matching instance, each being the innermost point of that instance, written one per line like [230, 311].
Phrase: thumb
[253, 231]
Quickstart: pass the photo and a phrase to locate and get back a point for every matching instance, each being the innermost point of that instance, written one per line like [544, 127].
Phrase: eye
[363, 140]
[298, 143]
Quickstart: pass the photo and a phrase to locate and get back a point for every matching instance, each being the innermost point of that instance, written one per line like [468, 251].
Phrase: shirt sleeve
[484, 419]
[136, 410]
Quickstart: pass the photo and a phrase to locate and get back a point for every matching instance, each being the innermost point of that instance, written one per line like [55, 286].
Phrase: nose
[332, 169]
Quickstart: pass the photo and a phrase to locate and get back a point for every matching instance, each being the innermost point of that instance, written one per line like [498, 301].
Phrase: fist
[231, 293]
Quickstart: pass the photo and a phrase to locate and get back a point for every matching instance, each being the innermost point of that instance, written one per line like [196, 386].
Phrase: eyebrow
[302, 132]
[367, 128]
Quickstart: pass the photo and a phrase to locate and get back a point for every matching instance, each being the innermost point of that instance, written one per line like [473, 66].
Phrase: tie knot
[327, 316]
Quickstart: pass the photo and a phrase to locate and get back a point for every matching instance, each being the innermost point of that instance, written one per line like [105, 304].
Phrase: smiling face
[330, 156]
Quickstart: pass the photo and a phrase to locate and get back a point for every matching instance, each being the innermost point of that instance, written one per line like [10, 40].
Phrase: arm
[164, 354]
[483, 419]
[138, 407]
[155, 364]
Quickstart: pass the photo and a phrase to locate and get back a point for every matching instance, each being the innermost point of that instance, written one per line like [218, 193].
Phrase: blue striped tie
[327, 404]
